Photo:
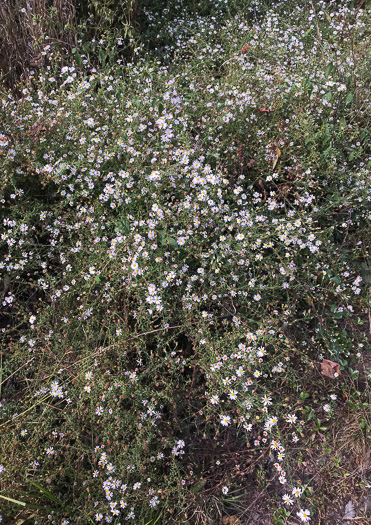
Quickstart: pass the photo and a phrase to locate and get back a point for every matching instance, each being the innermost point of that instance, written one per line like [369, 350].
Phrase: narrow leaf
[14, 500]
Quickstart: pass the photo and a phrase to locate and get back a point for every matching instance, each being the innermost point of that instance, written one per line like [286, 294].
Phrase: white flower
[291, 418]
[214, 400]
[151, 289]
[304, 515]
[225, 420]
[287, 499]
[266, 400]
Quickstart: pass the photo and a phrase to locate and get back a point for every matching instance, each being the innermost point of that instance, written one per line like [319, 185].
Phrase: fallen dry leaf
[329, 368]
[231, 520]
[278, 154]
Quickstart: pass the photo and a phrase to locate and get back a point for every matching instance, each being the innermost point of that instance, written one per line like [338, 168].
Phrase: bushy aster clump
[175, 262]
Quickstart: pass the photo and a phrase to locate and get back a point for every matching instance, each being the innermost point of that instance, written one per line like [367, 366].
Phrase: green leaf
[172, 242]
[304, 395]
[44, 491]
[349, 98]
[328, 96]
[78, 59]
[102, 56]
[162, 234]
[363, 134]
[123, 227]
[27, 505]
[14, 500]
[328, 70]
[198, 486]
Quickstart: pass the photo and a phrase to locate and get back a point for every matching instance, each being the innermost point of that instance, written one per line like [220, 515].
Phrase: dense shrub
[182, 245]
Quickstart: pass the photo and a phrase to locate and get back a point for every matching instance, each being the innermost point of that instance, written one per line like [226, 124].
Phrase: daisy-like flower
[233, 394]
[275, 444]
[225, 420]
[297, 492]
[291, 418]
[214, 400]
[287, 499]
[304, 515]
[266, 400]
[151, 289]
[225, 490]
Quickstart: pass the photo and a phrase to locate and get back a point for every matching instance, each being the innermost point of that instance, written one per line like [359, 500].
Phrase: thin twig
[317, 27]
[18, 369]
[257, 497]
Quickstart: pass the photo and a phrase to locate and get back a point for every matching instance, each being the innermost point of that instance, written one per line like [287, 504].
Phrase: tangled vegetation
[185, 265]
